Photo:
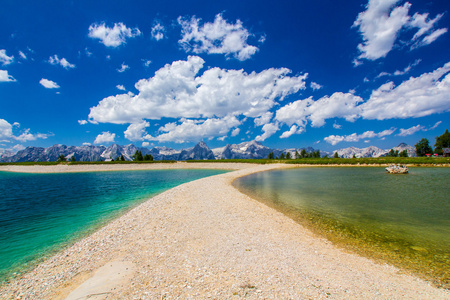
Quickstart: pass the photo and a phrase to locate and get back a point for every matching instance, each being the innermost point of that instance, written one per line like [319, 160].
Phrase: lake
[42, 213]
[401, 219]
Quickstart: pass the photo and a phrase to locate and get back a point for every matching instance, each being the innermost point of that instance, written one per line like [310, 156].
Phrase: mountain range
[245, 150]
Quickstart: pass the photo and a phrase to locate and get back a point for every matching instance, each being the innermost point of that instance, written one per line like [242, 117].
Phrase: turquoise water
[404, 219]
[41, 213]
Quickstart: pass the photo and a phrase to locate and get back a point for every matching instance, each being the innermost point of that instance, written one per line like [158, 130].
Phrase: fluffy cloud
[48, 84]
[268, 130]
[339, 105]
[235, 132]
[105, 137]
[414, 129]
[112, 37]
[22, 55]
[293, 130]
[381, 23]
[27, 136]
[176, 92]
[136, 131]
[195, 130]
[123, 68]
[219, 37]
[315, 86]
[417, 97]
[335, 139]
[5, 129]
[263, 119]
[146, 62]
[5, 77]
[120, 87]
[7, 135]
[5, 59]
[158, 32]
[82, 122]
[425, 25]
[411, 131]
[54, 60]
[432, 37]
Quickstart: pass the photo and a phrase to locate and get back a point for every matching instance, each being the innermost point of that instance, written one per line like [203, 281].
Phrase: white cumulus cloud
[5, 77]
[411, 130]
[123, 68]
[354, 137]
[136, 131]
[7, 134]
[48, 84]
[158, 31]
[112, 37]
[219, 37]
[175, 91]
[235, 132]
[4, 58]
[293, 130]
[105, 137]
[379, 25]
[120, 87]
[195, 130]
[315, 86]
[338, 105]
[416, 97]
[268, 130]
[383, 21]
[55, 60]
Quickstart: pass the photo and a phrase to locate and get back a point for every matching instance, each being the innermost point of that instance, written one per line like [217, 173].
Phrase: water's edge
[344, 238]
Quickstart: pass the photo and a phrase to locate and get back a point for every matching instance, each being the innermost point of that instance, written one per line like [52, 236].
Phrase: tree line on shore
[423, 147]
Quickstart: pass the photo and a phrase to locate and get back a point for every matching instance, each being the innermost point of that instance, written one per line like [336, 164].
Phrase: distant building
[446, 152]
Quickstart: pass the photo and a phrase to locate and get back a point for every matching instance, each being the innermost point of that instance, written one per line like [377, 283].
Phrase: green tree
[354, 156]
[316, 154]
[61, 158]
[72, 158]
[148, 157]
[442, 141]
[122, 158]
[303, 153]
[423, 147]
[282, 156]
[288, 155]
[404, 153]
[336, 155]
[270, 156]
[137, 156]
[297, 155]
[393, 153]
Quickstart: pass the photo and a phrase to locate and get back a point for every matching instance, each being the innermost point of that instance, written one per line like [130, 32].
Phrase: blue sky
[326, 74]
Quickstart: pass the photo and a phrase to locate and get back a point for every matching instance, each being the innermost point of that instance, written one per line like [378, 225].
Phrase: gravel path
[204, 239]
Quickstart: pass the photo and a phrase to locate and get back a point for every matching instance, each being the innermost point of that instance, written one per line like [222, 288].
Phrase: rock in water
[397, 169]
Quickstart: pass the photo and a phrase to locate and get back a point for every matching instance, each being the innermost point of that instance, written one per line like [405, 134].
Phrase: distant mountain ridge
[245, 150]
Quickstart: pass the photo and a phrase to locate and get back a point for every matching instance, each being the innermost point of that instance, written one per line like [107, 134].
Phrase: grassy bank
[411, 161]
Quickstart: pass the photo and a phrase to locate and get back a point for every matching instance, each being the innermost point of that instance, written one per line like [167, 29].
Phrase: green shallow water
[402, 219]
[43, 213]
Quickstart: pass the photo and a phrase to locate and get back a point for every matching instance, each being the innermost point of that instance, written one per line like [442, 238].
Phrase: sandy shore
[204, 239]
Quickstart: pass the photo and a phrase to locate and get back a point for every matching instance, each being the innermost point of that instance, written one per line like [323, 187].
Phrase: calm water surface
[404, 219]
[41, 213]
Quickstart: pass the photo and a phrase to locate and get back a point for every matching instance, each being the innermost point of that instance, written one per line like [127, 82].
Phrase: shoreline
[178, 245]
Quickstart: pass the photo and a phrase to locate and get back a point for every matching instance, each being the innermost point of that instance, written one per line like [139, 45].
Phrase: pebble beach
[206, 240]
